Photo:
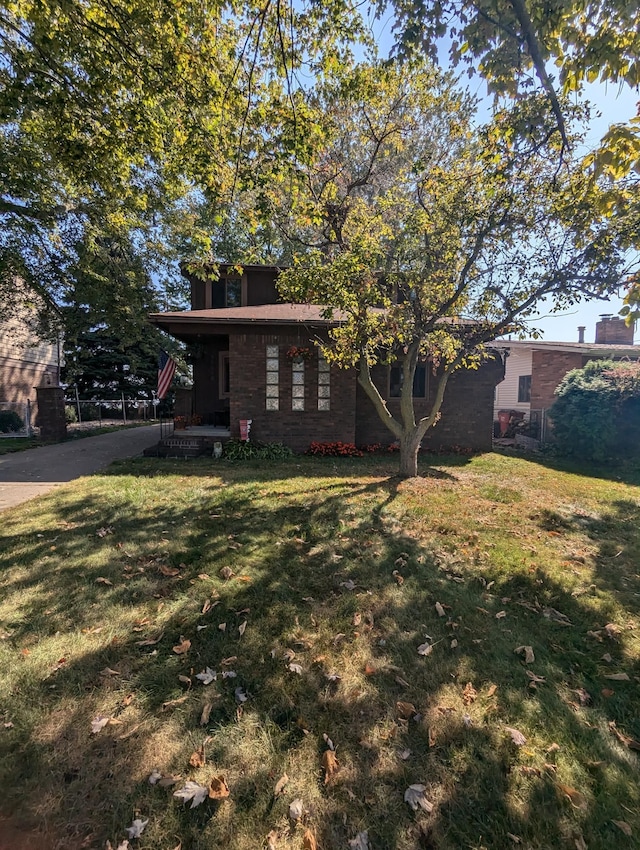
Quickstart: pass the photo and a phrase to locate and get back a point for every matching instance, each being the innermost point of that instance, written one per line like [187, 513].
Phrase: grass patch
[335, 567]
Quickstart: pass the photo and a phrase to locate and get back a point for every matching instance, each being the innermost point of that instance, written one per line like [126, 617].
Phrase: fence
[118, 409]
[15, 419]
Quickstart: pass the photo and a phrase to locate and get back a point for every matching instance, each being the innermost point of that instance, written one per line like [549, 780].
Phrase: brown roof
[600, 349]
[263, 314]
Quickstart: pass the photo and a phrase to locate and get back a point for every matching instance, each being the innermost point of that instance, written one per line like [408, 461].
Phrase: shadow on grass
[319, 563]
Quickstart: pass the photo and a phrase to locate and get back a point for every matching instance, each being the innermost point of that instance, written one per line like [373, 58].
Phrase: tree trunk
[409, 445]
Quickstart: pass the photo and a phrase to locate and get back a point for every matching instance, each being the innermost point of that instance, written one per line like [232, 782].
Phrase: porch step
[185, 445]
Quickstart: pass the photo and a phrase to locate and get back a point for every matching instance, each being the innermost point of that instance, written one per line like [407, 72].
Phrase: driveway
[33, 472]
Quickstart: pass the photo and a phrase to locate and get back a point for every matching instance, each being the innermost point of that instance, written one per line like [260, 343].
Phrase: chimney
[581, 331]
[613, 330]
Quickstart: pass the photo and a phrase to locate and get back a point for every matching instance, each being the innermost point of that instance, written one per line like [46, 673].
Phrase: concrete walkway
[33, 472]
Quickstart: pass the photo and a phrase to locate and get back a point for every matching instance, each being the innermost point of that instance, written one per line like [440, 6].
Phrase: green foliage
[238, 450]
[70, 414]
[431, 236]
[597, 413]
[10, 422]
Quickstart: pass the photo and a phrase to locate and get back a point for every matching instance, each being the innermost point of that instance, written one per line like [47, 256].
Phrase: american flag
[166, 370]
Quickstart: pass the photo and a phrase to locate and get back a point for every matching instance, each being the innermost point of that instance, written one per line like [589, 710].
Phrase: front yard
[320, 655]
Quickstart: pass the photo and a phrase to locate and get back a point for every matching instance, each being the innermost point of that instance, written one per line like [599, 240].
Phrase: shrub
[597, 413]
[251, 450]
[10, 422]
[70, 414]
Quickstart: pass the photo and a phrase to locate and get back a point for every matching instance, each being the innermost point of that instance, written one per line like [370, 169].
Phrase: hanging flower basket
[298, 354]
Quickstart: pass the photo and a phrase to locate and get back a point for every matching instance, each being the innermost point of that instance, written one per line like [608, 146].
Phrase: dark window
[226, 292]
[234, 292]
[524, 388]
[419, 381]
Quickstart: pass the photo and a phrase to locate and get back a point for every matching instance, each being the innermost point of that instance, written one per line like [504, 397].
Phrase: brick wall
[297, 429]
[548, 368]
[467, 409]
[18, 379]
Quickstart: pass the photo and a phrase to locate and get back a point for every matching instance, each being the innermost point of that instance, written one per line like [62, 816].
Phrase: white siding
[506, 397]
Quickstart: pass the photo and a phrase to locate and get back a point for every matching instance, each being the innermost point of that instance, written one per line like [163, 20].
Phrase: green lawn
[316, 582]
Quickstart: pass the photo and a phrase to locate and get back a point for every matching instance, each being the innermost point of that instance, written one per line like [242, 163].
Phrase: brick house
[239, 335]
[534, 368]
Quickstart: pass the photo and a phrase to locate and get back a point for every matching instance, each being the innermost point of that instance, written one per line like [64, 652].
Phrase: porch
[192, 441]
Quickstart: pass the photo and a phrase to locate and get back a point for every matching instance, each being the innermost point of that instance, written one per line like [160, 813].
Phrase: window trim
[223, 357]
[524, 389]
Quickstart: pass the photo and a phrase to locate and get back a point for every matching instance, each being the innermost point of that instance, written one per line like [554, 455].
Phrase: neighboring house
[239, 335]
[26, 360]
[534, 368]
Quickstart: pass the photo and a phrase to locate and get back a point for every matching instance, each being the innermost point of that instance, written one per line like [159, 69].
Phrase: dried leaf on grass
[218, 788]
[624, 826]
[206, 712]
[469, 694]
[416, 797]
[183, 646]
[296, 809]
[272, 840]
[529, 656]
[575, 797]
[329, 765]
[168, 572]
[309, 840]
[198, 758]
[618, 677]
[361, 841]
[137, 828]
[406, 710]
[105, 581]
[207, 676]
[109, 672]
[242, 627]
[440, 610]
[98, 723]
[556, 616]
[624, 739]
[151, 641]
[425, 649]
[280, 784]
[517, 737]
[192, 791]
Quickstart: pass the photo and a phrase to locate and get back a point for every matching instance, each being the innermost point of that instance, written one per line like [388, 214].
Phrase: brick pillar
[51, 418]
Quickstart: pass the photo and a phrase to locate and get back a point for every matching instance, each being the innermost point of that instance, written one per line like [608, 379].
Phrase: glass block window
[273, 378]
[324, 381]
[297, 390]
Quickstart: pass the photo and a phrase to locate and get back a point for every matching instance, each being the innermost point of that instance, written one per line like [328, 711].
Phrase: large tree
[431, 236]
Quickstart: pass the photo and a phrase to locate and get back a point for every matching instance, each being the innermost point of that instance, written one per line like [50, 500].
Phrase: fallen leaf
[405, 755]
[606, 657]
[617, 677]
[272, 840]
[198, 758]
[241, 695]
[226, 573]
[328, 741]
[222, 627]
[173, 703]
[361, 841]
[98, 723]
[348, 585]
[192, 791]
[295, 668]
[556, 616]
[329, 765]
[155, 776]
[183, 646]
[137, 828]
[296, 809]
[440, 610]
[454, 643]
[529, 656]
[103, 580]
[613, 632]
[406, 710]
[501, 615]
[280, 784]
[398, 578]
[309, 840]
[207, 676]
[185, 680]
[575, 797]
[169, 572]
[109, 672]
[624, 826]
[425, 649]
[517, 737]
[607, 692]
[624, 739]
[492, 690]
[168, 780]
[583, 695]
[580, 843]
[431, 737]
[218, 788]
[356, 620]
[469, 694]
[515, 838]
[150, 641]
[416, 798]
[535, 679]
[242, 627]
